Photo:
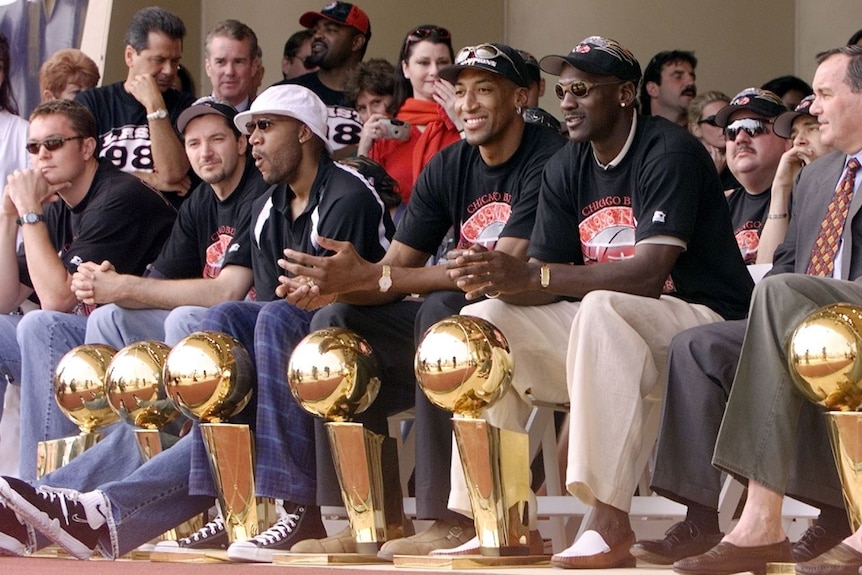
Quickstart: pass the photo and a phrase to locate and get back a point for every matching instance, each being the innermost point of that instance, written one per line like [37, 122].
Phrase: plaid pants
[283, 431]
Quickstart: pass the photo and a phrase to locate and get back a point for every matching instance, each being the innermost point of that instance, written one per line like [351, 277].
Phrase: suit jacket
[811, 196]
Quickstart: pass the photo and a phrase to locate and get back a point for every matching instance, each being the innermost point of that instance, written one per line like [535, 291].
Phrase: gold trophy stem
[845, 436]
[497, 470]
[53, 454]
[367, 467]
[230, 451]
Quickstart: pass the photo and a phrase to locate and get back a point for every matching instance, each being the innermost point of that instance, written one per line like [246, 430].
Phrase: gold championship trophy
[80, 393]
[136, 393]
[463, 364]
[210, 377]
[825, 359]
[333, 374]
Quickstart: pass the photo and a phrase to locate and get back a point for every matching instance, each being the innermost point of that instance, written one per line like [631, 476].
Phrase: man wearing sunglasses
[632, 244]
[309, 195]
[703, 362]
[753, 152]
[486, 187]
[71, 208]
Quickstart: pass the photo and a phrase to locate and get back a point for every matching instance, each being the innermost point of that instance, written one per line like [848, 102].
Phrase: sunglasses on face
[51, 144]
[750, 126]
[263, 125]
[709, 120]
[578, 89]
[484, 52]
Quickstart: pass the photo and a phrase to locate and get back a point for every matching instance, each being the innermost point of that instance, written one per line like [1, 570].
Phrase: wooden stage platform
[56, 566]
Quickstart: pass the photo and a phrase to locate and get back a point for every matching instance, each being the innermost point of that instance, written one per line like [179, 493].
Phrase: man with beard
[341, 32]
[668, 86]
[135, 119]
[310, 196]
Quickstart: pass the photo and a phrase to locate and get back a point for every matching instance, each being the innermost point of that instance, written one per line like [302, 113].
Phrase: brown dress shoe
[840, 560]
[726, 558]
[617, 556]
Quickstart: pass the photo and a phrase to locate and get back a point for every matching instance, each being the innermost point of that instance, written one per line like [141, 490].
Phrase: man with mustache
[135, 119]
[668, 85]
[753, 151]
[341, 32]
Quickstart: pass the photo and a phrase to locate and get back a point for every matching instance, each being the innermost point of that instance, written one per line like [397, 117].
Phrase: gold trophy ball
[463, 364]
[79, 386]
[333, 374]
[209, 376]
[135, 387]
[823, 357]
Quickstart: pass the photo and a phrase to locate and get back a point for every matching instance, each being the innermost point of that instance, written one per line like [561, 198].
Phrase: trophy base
[459, 562]
[326, 559]
[204, 556]
[776, 568]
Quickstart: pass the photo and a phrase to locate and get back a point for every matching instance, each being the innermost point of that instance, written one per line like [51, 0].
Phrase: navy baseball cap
[204, 106]
[783, 126]
[498, 59]
[599, 56]
[757, 100]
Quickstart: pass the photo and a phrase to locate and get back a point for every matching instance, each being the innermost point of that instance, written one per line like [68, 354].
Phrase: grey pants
[762, 422]
[701, 365]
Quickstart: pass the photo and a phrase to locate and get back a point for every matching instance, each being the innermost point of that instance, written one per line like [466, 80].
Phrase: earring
[622, 104]
[519, 110]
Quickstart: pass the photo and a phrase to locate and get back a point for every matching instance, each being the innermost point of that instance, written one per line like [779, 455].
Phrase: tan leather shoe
[840, 560]
[615, 556]
[341, 542]
[726, 558]
[441, 535]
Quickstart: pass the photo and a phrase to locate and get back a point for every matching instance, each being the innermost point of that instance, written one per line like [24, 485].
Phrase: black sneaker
[683, 539]
[74, 521]
[303, 523]
[211, 536]
[16, 537]
[814, 542]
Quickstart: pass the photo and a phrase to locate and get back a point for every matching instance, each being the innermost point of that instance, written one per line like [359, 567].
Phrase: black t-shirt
[206, 226]
[666, 185]
[121, 122]
[342, 205]
[747, 216]
[121, 219]
[343, 120]
[457, 189]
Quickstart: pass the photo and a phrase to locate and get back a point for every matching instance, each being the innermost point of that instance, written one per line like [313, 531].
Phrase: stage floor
[51, 566]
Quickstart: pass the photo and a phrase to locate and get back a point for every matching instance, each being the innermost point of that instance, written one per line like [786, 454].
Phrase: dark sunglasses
[709, 120]
[485, 52]
[51, 144]
[263, 125]
[750, 126]
[578, 89]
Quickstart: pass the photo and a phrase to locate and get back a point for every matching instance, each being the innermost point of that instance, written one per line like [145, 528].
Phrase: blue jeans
[118, 326]
[44, 337]
[284, 432]
[10, 355]
[111, 462]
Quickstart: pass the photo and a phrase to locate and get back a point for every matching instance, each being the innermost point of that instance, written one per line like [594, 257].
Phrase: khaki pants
[605, 355]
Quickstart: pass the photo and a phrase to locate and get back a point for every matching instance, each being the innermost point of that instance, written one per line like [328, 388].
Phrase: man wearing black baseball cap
[486, 187]
[652, 253]
[341, 32]
[216, 212]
